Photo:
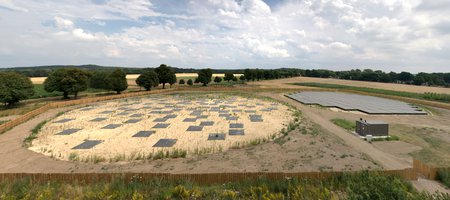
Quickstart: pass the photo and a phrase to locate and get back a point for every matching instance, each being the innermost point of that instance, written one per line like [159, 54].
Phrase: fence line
[27, 116]
[208, 178]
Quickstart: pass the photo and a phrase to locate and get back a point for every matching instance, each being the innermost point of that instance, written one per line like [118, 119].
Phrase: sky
[390, 35]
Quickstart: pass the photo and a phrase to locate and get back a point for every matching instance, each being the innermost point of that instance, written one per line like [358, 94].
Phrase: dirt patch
[284, 83]
[429, 186]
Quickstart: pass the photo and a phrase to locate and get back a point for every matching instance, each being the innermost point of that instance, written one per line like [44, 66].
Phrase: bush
[15, 87]
[242, 78]
[204, 76]
[117, 81]
[217, 79]
[181, 82]
[234, 79]
[189, 82]
[68, 81]
[165, 74]
[148, 79]
[444, 176]
[346, 124]
[98, 80]
[228, 77]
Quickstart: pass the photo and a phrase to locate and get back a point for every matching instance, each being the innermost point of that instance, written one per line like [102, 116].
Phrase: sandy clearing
[430, 186]
[284, 83]
[119, 141]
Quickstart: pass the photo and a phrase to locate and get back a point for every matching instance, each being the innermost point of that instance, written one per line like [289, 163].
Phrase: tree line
[429, 79]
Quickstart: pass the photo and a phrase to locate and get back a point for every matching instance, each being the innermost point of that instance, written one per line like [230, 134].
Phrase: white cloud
[217, 33]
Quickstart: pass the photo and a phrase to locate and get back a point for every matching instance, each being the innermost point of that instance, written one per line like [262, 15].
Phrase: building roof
[373, 122]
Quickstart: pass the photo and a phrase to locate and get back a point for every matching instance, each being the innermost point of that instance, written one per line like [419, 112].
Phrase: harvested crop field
[171, 124]
[286, 83]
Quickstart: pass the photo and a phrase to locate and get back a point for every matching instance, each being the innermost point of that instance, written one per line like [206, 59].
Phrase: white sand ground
[119, 141]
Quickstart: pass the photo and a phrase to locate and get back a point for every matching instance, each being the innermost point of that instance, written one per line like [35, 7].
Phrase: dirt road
[284, 83]
[388, 161]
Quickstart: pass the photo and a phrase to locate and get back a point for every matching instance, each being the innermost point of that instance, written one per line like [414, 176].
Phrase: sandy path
[283, 83]
[429, 186]
[388, 161]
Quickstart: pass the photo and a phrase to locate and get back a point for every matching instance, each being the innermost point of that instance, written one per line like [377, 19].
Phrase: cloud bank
[390, 35]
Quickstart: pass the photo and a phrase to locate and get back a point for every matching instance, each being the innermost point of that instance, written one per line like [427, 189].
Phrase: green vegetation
[148, 79]
[434, 149]
[444, 176]
[345, 124]
[228, 77]
[165, 75]
[3, 121]
[14, 87]
[181, 82]
[27, 141]
[426, 96]
[117, 81]
[217, 79]
[39, 92]
[205, 76]
[363, 185]
[68, 81]
[190, 82]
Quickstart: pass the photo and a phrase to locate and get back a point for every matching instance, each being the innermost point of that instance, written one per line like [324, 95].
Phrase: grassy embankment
[435, 150]
[423, 96]
[362, 185]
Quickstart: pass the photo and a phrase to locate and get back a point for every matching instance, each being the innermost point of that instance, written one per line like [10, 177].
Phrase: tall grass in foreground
[362, 185]
[426, 96]
[444, 177]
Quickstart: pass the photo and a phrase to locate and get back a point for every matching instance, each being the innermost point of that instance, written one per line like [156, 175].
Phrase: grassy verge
[425, 96]
[345, 124]
[444, 177]
[434, 149]
[363, 185]
[28, 140]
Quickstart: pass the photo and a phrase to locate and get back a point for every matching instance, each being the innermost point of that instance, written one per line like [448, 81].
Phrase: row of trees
[437, 79]
[264, 74]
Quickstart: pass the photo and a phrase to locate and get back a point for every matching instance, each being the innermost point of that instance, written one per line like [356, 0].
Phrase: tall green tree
[248, 74]
[68, 81]
[165, 74]
[172, 80]
[98, 80]
[148, 79]
[117, 81]
[15, 87]
[205, 76]
[228, 76]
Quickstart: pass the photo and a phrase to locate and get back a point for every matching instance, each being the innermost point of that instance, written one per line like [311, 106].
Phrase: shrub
[242, 78]
[444, 176]
[148, 79]
[189, 82]
[68, 81]
[117, 81]
[14, 87]
[346, 124]
[234, 78]
[181, 82]
[217, 79]
[228, 77]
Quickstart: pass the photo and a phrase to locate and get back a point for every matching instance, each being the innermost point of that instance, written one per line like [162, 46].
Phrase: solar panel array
[355, 102]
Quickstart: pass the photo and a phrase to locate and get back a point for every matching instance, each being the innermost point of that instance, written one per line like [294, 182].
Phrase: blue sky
[391, 35]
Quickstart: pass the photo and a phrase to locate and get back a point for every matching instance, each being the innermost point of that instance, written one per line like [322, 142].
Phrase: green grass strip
[425, 96]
